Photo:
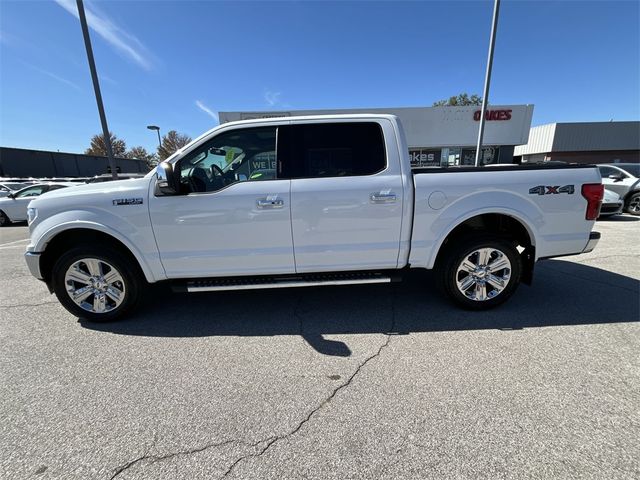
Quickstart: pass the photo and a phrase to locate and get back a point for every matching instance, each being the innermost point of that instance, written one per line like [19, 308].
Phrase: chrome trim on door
[383, 197]
[263, 203]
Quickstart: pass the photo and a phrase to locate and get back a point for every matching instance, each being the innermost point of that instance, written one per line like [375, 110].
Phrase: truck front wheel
[97, 284]
[481, 272]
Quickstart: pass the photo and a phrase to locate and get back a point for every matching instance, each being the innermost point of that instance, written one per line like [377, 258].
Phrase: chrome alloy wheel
[483, 274]
[94, 285]
[634, 205]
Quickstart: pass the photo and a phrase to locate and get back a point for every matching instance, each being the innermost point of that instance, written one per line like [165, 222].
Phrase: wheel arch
[59, 241]
[502, 224]
[630, 194]
[9, 221]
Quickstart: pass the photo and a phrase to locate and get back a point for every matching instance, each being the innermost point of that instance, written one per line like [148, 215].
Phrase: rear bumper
[594, 238]
[611, 209]
[33, 262]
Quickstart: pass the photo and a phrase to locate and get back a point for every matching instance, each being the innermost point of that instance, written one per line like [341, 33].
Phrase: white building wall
[540, 140]
[434, 126]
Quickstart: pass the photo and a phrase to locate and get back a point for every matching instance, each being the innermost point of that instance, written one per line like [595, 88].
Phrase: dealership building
[583, 142]
[440, 136]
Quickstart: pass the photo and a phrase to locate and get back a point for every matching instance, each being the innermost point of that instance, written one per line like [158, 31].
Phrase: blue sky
[175, 64]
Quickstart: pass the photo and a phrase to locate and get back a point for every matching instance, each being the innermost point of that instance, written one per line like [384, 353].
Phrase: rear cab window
[320, 150]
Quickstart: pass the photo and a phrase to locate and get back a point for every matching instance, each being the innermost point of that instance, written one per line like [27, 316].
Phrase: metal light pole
[96, 88]
[157, 129]
[487, 79]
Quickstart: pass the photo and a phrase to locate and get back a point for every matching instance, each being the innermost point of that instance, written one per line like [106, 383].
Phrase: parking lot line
[15, 241]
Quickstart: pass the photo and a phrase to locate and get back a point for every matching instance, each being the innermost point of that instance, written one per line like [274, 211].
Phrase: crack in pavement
[159, 458]
[30, 304]
[310, 415]
[269, 441]
[130, 464]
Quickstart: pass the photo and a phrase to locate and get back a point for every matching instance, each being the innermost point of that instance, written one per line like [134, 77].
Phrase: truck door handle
[385, 196]
[270, 202]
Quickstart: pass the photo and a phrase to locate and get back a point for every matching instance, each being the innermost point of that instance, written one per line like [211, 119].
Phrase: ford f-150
[307, 201]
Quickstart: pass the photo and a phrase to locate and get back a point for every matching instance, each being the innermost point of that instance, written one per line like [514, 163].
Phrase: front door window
[231, 157]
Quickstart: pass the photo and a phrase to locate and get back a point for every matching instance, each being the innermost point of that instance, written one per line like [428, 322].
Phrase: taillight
[593, 192]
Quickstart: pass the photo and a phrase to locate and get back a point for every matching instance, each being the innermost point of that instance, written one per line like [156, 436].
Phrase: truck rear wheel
[479, 273]
[97, 284]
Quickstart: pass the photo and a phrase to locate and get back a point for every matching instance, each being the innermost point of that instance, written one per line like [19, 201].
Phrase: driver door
[226, 221]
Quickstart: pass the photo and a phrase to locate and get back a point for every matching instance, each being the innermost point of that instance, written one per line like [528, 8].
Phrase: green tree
[171, 142]
[459, 101]
[98, 147]
[140, 153]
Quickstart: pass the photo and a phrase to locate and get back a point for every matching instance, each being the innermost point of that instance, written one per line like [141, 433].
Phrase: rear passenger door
[346, 199]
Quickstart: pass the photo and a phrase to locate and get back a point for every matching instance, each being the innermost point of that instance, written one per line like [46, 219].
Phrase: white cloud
[54, 76]
[124, 42]
[272, 98]
[107, 79]
[207, 110]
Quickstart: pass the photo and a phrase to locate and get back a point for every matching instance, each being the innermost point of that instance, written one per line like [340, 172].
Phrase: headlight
[32, 213]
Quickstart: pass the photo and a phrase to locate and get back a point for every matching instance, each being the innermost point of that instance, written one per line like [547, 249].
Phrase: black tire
[4, 220]
[633, 204]
[463, 249]
[130, 279]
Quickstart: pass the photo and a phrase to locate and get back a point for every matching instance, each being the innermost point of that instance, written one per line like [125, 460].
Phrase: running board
[293, 281]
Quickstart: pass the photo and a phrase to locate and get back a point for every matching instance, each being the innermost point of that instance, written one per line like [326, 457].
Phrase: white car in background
[13, 207]
[612, 204]
[10, 187]
[624, 179]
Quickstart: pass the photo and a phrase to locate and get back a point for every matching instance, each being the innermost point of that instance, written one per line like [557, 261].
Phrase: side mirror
[616, 177]
[241, 177]
[11, 195]
[167, 183]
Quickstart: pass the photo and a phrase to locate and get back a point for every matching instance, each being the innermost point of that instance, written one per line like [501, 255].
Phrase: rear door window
[330, 150]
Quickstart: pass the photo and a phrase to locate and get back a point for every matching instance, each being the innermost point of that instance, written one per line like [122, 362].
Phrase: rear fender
[524, 211]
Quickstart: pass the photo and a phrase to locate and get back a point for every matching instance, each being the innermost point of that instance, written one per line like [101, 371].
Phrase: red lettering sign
[493, 115]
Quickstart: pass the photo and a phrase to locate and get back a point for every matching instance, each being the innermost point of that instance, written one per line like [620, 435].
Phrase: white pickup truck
[307, 201]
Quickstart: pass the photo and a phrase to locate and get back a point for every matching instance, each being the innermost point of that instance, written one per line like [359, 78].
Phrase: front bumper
[594, 238]
[33, 262]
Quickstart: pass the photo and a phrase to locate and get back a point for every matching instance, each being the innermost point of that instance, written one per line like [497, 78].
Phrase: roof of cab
[306, 118]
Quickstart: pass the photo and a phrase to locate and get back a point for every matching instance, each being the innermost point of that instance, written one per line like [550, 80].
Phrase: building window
[451, 156]
[424, 157]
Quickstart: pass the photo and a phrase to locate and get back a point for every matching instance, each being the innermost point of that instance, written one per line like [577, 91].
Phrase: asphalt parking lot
[376, 382]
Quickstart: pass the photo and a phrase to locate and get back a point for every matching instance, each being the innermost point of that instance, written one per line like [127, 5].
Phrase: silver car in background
[13, 207]
[10, 187]
[612, 204]
[623, 179]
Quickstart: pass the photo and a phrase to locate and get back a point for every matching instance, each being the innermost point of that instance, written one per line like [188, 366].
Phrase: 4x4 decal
[550, 190]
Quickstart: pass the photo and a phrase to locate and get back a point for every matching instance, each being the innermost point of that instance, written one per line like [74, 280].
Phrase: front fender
[138, 239]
